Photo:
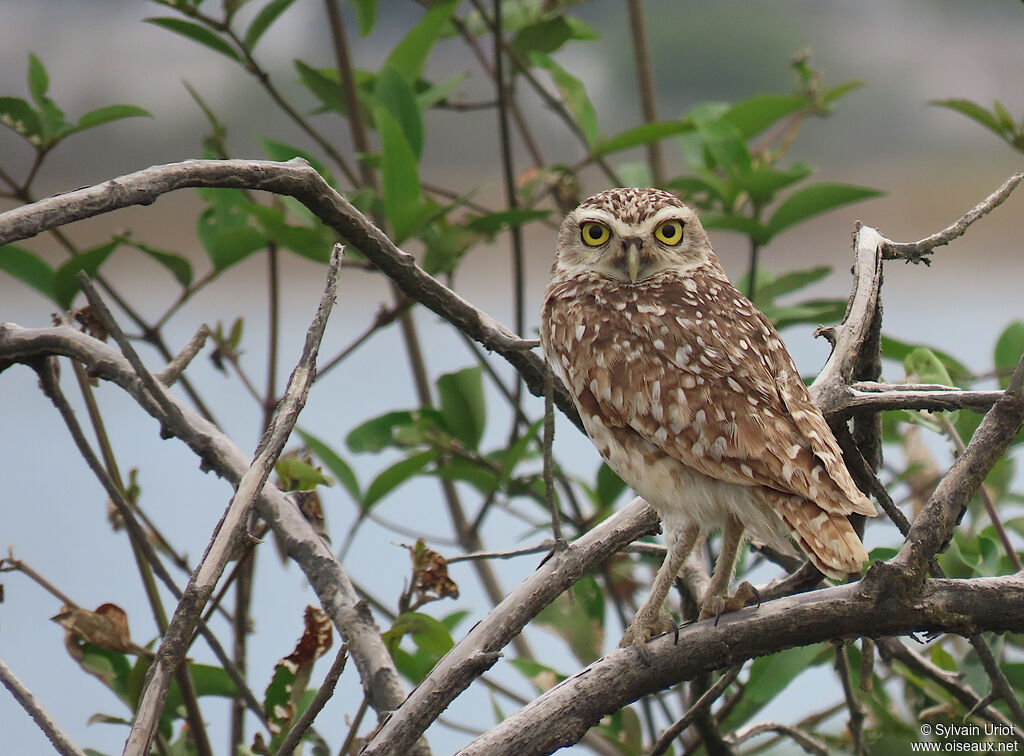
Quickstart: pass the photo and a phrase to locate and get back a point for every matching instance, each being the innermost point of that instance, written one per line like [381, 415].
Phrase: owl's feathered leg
[717, 600]
[651, 619]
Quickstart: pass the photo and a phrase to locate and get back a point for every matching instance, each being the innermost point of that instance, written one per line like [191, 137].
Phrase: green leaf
[549, 34]
[769, 676]
[816, 199]
[107, 114]
[312, 243]
[575, 96]
[975, 112]
[923, 363]
[726, 145]
[518, 451]
[493, 223]
[541, 676]
[400, 181]
[65, 282]
[396, 475]
[338, 467]
[227, 244]
[207, 680]
[324, 84]
[1008, 350]
[762, 183]
[894, 349]
[813, 311]
[841, 90]
[196, 33]
[17, 115]
[366, 15]
[609, 486]
[378, 433]
[38, 79]
[579, 622]
[179, 266]
[741, 223]
[690, 186]
[432, 95]
[395, 94]
[478, 475]
[1005, 119]
[754, 115]
[297, 475]
[267, 16]
[643, 134]
[463, 410]
[28, 268]
[410, 54]
[769, 291]
[427, 633]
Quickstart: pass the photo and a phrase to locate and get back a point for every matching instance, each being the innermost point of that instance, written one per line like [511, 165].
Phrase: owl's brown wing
[709, 383]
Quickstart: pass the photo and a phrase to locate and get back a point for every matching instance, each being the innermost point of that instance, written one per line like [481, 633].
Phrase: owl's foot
[716, 606]
[643, 628]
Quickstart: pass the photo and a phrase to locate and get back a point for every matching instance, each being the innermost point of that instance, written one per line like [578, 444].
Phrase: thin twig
[648, 93]
[893, 648]
[709, 696]
[951, 432]
[549, 482]
[211, 567]
[542, 548]
[47, 724]
[51, 388]
[316, 705]
[1000, 685]
[856, 721]
[807, 742]
[915, 251]
[170, 374]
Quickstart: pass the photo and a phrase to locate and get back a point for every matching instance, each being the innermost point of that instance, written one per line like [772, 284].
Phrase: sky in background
[932, 163]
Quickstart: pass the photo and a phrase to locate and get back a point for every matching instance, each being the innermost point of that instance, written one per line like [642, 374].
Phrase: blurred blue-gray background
[932, 163]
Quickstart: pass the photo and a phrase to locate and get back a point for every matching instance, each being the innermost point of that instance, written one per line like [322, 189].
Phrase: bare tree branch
[562, 714]
[481, 647]
[915, 251]
[933, 528]
[808, 743]
[316, 705]
[217, 452]
[701, 704]
[295, 178]
[229, 530]
[894, 649]
[50, 728]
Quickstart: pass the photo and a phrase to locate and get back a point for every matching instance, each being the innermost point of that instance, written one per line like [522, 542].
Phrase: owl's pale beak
[633, 261]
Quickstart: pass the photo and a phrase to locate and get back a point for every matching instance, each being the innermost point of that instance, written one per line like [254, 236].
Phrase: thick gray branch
[297, 179]
[560, 716]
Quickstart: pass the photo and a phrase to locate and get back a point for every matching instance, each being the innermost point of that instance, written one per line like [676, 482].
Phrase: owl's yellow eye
[669, 232]
[594, 234]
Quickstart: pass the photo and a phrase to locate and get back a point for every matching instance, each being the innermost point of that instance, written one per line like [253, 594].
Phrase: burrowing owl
[688, 393]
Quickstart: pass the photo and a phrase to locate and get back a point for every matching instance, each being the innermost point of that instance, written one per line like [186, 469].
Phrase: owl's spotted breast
[693, 367]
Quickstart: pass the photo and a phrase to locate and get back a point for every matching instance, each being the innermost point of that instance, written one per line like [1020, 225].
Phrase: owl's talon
[716, 606]
[642, 629]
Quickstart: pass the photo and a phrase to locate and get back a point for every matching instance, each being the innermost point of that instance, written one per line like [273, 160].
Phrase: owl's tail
[827, 538]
